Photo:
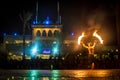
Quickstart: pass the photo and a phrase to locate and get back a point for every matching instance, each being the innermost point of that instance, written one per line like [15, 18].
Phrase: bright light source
[98, 36]
[54, 42]
[80, 38]
[15, 34]
[72, 33]
[55, 50]
[35, 48]
[34, 51]
[47, 22]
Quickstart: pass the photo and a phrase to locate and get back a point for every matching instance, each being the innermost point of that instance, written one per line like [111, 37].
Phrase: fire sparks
[98, 36]
[89, 46]
[94, 34]
[80, 38]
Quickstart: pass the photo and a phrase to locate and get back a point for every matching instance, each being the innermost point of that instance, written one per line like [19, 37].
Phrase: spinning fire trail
[90, 45]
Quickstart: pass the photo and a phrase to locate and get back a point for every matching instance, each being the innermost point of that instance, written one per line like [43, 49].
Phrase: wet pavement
[110, 74]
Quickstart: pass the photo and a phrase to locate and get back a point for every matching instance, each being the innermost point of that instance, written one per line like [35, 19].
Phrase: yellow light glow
[80, 38]
[46, 29]
[98, 36]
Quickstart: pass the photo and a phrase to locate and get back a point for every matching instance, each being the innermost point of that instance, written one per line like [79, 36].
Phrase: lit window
[54, 42]
[6, 42]
[116, 50]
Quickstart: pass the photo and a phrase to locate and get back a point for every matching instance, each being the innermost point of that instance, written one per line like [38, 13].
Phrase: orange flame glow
[80, 38]
[98, 36]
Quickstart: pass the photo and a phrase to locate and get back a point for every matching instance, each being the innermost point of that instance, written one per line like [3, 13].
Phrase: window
[44, 33]
[49, 33]
[38, 34]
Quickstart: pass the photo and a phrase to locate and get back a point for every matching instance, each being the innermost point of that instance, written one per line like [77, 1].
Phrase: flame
[98, 36]
[80, 38]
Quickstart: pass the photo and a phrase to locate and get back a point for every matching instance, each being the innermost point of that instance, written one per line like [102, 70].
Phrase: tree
[25, 17]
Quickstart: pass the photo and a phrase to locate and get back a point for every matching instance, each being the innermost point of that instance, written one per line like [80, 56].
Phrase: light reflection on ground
[113, 74]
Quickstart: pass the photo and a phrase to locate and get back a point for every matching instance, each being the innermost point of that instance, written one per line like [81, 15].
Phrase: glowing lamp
[47, 22]
[72, 34]
[15, 34]
[55, 50]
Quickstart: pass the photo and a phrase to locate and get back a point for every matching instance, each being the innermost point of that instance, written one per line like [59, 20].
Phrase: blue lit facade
[47, 36]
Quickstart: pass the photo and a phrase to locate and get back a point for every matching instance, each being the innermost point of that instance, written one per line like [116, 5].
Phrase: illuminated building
[46, 38]
[14, 44]
[44, 42]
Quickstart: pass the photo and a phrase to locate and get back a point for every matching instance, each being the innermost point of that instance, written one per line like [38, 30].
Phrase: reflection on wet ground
[113, 74]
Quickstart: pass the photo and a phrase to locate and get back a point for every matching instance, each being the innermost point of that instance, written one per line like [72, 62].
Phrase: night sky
[77, 16]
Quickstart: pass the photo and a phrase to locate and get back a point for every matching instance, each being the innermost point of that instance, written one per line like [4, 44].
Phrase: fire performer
[90, 47]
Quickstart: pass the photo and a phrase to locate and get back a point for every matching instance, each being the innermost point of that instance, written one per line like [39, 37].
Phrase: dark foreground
[111, 74]
[59, 64]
